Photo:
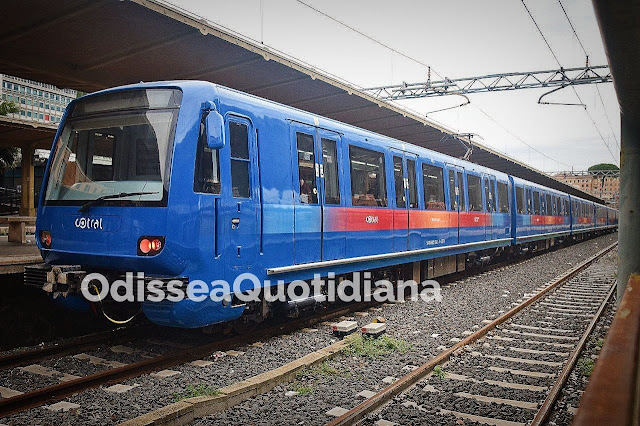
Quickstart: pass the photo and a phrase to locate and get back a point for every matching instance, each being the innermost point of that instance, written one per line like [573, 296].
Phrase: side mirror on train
[215, 126]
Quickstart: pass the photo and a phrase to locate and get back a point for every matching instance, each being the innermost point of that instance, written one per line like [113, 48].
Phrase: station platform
[15, 256]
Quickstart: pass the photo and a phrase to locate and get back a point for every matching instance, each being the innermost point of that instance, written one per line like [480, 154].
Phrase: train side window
[461, 191]
[559, 211]
[474, 185]
[398, 178]
[566, 207]
[413, 191]
[207, 174]
[503, 197]
[453, 202]
[331, 178]
[306, 169]
[520, 200]
[549, 205]
[536, 203]
[529, 201]
[239, 138]
[368, 184]
[433, 184]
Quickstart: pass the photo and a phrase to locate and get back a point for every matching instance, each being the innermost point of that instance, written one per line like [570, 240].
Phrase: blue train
[190, 180]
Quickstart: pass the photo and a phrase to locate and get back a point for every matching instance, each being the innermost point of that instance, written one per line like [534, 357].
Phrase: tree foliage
[603, 166]
[8, 155]
[7, 108]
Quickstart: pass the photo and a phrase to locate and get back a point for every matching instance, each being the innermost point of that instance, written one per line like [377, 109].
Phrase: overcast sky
[457, 38]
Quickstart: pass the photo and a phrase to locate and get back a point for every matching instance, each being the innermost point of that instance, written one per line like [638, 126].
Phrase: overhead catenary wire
[404, 55]
[575, 33]
[615, 159]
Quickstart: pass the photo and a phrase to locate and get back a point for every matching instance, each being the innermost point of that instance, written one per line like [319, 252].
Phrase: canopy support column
[629, 227]
[27, 202]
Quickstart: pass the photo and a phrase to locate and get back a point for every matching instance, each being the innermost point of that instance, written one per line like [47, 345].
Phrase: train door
[494, 206]
[456, 199]
[401, 210]
[240, 196]
[489, 200]
[333, 211]
[307, 222]
[415, 240]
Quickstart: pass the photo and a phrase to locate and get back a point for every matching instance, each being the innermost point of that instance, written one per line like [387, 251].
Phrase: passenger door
[307, 208]
[333, 211]
[456, 198]
[240, 197]
[401, 210]
[489, 201]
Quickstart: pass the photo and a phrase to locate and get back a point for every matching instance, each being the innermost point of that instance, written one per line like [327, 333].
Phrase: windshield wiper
[104, 198]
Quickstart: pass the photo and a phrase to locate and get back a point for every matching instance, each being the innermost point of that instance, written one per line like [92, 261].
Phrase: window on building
[398, 178]
[503, 197]
[474, 186]
[239, 137]
[433, 184]
[520, 207]
[413, 190]
[330, 165]
[368, 185]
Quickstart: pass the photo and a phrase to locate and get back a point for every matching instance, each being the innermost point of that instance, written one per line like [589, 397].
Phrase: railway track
[18, 403]
[509, 372]
[70, 385]
[71, 346]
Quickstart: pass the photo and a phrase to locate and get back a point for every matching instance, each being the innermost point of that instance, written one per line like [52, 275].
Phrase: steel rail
[612, 395]
[59, 391]
[72, 345]
[385, 395]
[547, 406]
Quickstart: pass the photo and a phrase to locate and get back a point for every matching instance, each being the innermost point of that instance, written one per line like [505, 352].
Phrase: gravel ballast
[426, 327]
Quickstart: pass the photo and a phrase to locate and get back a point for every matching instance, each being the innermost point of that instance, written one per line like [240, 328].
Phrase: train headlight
[45, 239]
[150, 246]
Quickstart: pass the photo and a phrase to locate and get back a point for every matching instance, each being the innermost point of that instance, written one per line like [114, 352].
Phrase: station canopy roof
[89, 45]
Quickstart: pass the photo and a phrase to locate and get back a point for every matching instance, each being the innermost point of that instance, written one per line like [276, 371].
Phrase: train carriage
[194, 181]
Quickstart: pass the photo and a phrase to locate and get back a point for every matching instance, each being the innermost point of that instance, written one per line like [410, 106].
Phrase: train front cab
[121, 193]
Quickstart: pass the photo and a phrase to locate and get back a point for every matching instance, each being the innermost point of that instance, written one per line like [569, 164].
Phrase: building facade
[38, 102]
[601, 184]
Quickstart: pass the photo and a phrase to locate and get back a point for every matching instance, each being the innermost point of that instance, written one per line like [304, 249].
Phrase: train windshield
[113, 144]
